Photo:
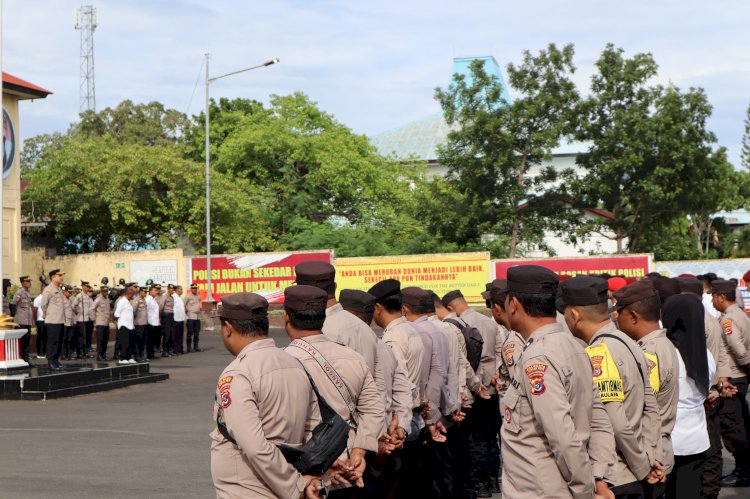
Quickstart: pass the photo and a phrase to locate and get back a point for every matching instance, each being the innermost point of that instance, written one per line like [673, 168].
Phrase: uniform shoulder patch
[224, 387]
[726, 325]
[606, 374]
[652, 362]
[535, 372]
[508, 350]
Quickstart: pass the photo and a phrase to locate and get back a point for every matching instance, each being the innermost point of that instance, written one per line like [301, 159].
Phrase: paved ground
[143, 441]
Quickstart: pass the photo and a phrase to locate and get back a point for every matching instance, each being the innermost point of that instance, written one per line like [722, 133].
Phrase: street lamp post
[209, 294]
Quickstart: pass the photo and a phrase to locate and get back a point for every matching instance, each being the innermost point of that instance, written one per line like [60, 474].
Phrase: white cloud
[372, 64]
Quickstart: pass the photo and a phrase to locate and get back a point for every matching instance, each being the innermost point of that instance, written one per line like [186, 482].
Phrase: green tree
[100, 195]
[496, 152]
[746, 140]
[652, 158]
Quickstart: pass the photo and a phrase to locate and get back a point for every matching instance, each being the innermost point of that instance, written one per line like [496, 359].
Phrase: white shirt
[690, 434]
[708, 304]
[124, 313]
[152, 311]
[38, 305]
[179, 309]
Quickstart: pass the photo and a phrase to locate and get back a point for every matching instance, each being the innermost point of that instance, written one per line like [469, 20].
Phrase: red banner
[267, 274]
[627, 265]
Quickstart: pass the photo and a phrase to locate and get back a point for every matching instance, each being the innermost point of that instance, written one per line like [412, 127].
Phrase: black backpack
[474, 342]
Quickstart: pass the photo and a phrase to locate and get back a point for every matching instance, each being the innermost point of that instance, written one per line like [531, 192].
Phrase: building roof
[736, 217]
[420, 139]
[23, 89]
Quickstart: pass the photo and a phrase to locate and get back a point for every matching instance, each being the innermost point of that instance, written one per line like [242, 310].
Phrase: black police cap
[355, 300]
[305, 298]
[723, 286]
[243, 306]
[385, 289]
[532, 279]
[582, 291]
[632, 293]
[315, 273]
[450, 296]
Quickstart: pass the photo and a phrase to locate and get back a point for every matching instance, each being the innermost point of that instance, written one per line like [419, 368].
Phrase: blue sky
[373, 64]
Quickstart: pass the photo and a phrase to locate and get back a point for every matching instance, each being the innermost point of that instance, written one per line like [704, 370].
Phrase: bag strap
[455, 323]
[330, 371]
[608, 335]
[326, 411]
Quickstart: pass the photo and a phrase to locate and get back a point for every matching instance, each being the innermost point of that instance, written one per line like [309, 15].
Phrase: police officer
[41, 332]
[638, 310]
[484, 414]
[82, 304]
[53, 313]
[733, 409]
[341, 375]
[556, 438]
[102, 315]
[166, 309]
[620, 374]
[140, 321]
[712, 465]
[340, 326]
[24, 316]
[193, 310]
[125, 323]
[381, 473]
[70, 324]
[154, 324]
[263, 398]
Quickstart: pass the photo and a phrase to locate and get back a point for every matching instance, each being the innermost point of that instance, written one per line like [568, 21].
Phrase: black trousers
[426, 470]
[102, 339]
[140, 340]
[153, 335]
[459, 441]
[734, 418]
[123, 337]
[89, 327]
[25, 341]
[79, 336]
[193, 332]
[41, 339]
[167, 326]
[685, 481]
[712, 466]
[54, 340]
[484, 421]
[67, 341]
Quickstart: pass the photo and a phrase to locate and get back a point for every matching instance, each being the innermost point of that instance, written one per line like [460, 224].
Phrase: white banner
[161, 271]
[725, 269]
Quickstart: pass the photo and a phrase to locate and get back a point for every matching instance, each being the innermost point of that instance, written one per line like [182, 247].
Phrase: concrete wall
[129, 265]
[11, 237]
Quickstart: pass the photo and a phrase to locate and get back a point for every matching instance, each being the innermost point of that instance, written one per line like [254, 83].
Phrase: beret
[690, 285]
[532, 279]
[384, 289]
[497, 290]
[357, 301]
[450, 296]
[723, 286]
[640, 290]
[305, 298]
[243, 306]
[615, 283]
[416, 297]
[315, 273]
[582, 291]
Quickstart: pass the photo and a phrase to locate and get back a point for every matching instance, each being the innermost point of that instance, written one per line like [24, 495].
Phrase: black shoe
[196, 349]
[495, 486]
[483, 491]
[164, 354]
[53, 366]
[736, 479]
[189, 350]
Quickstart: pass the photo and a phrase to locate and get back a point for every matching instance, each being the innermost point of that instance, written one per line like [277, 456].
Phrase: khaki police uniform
[511, 350]
[661, 358]
[491, 348]
[556, 438]
[53, 312]
[367, 418]
[347, 329]
[266, 399]
[620, 375]
[408, 348]
[717, 347]
[24, 309]
[453, 337]
[193, 325]
[397, 391]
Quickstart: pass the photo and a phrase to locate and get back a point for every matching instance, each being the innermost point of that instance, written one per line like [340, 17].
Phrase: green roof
[419, 139]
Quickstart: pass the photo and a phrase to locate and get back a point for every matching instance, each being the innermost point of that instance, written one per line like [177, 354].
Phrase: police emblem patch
[535, 372]
[508, 351]
[596, 360]
[224, 385]
[727, 325]
[508, 416]
[226, 400]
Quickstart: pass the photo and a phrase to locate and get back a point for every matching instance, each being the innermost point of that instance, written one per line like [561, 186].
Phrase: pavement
[143, 441]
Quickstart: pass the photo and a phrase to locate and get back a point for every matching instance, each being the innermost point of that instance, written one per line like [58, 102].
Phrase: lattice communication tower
[85, 22]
